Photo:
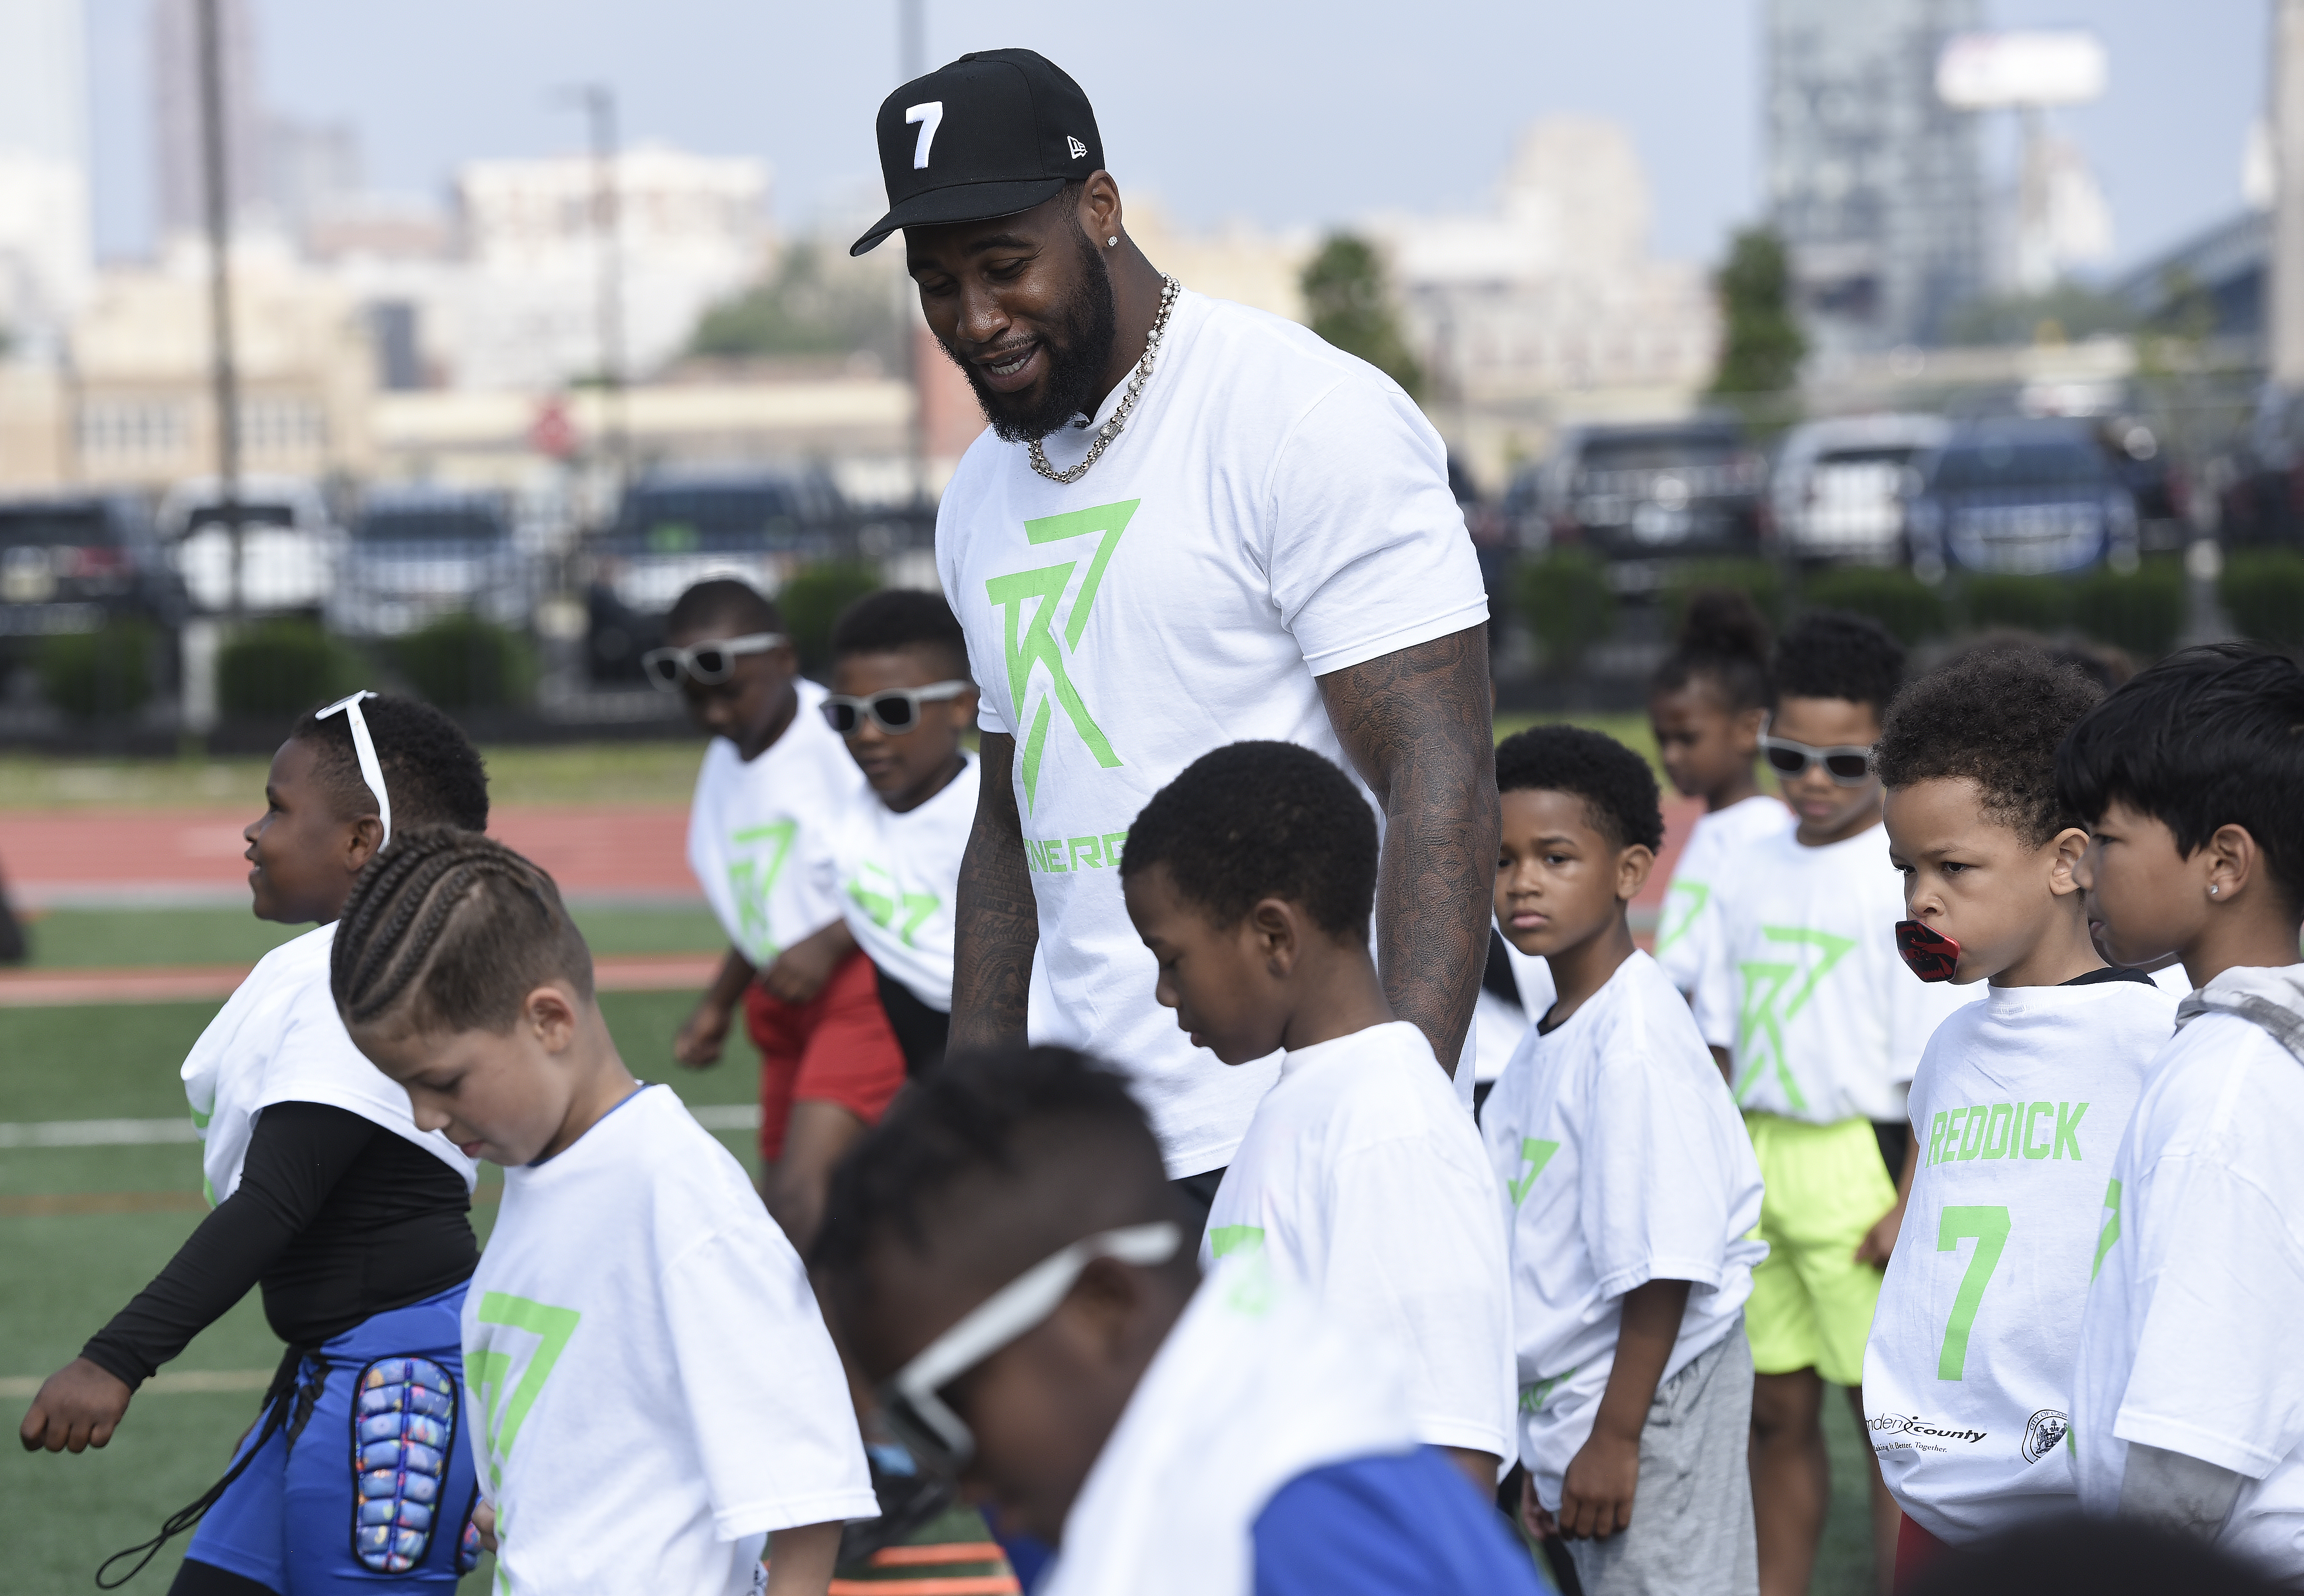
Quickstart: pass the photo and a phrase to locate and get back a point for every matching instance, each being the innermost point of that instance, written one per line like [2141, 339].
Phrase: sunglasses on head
[709, 662]
[1849, 764]
[897, 710]
[938, 1438]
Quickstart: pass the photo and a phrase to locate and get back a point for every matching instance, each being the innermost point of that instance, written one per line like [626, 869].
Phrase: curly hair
[723, 602]
[1723, 639]
[433, 773]
[901, 617]
[1835, 654]
[2209, 737]
[1618, 788]
[1260, 820]
[1994, 719]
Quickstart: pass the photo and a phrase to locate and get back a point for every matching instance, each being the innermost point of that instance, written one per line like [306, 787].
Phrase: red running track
[48, 856]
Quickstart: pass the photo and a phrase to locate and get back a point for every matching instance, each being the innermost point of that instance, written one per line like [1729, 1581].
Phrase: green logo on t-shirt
[1534, 1396]
[1223, 1240]
[1760, 1028]
[1030, 599]
[1533, 1155]
[2111, 1231]
[877, 894]
[1683, 901]
[488, 1367]
[752, 877]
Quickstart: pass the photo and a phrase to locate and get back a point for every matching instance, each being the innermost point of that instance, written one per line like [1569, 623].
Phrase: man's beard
[1078, 351]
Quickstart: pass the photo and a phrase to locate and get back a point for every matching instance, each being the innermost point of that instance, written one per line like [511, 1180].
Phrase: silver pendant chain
[1170, 289]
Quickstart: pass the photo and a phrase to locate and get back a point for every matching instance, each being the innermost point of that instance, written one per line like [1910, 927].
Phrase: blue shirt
[1402, 1524]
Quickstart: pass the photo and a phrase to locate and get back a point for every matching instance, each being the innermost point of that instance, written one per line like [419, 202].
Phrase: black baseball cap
[995, 133]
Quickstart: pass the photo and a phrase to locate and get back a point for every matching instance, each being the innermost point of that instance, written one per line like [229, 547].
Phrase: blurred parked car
[1840, 486]
[1641, 496]
[288, 543]
[2021, 496]
[416, 554]
[70, 563]
[678, 527]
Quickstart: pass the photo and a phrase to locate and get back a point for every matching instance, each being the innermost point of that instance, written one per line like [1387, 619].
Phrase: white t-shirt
[279, 1039]
[1713, 845]
[1361, 1181]
[898, 874]
[2017, 1110]
[2188, 1340]
[1619, 1159]
[759, 835]
[1253, 1387]
[1275, 511]
[1498, 1026]
[649, 1388]
[1804, 986]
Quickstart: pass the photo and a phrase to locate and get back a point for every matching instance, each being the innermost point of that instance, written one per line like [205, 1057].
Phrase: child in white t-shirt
[774, 786]
[2188, 1406]
[2016, 1107]
[1631, 1194]
[903, 700]
[1821, 1026]
[1708, 705]
[650, 1393]
[1361, 1179]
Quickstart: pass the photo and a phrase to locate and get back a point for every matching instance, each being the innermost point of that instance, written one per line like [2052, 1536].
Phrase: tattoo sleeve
[1419, 728]
[996, 922]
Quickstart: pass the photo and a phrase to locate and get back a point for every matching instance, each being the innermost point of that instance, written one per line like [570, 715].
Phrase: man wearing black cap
[1190, 524]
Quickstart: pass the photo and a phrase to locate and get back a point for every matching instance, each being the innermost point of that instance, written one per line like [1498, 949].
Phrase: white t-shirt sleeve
[1655, 1203]
[774, 1424]
[1368, 553]
[1438, 1284]
[2228, 1276]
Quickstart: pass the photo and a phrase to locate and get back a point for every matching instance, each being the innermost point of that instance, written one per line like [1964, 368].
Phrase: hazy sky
[1285, 114]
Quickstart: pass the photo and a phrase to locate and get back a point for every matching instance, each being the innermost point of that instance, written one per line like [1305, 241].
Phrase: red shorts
[836, 1047]
[1916, 1549]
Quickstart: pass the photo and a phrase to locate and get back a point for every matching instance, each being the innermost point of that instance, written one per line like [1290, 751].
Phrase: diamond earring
[1113, 242]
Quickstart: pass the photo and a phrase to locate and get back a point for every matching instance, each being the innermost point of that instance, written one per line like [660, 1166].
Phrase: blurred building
[44, 249]
[1874, 183]
[1554, 291]
[689, 229]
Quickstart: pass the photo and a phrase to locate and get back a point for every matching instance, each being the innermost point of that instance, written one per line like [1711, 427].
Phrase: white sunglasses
[709, 662]
[895, 711]
[364, 748]
[935, 1436]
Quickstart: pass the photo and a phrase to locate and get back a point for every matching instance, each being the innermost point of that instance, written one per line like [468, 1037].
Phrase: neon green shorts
[1811, 1305]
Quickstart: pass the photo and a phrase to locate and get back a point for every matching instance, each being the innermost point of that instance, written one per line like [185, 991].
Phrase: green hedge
[2262, 590]
[283, 667]
[813, 600]
[103, 675]
[1760, 581]
[1565, 599]
[2142, 613]
[1898, 600]
[460, 662]
[2042, 604]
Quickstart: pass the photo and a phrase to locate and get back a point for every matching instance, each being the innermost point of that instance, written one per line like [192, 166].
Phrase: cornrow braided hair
[456, 929]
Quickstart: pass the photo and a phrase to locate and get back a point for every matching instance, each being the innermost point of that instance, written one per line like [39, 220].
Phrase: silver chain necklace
[1170, 288]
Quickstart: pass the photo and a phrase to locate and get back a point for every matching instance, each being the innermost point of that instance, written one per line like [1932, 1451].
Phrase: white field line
[144, 1133]
[168, 1383]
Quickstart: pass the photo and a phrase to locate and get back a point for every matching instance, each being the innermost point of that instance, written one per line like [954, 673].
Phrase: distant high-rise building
[45, 252]
[1874, 183]
[180, 187]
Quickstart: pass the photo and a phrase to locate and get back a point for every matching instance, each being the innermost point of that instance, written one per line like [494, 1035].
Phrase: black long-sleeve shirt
[337, 1218]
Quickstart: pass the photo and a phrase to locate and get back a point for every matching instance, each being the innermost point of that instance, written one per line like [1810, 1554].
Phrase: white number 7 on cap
[930, 116]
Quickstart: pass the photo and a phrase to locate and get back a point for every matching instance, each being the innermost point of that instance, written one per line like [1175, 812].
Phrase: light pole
[224, 374]
[912, 61]
[599, 102]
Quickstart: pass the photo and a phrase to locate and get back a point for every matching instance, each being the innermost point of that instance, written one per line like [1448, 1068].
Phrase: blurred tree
[806, 307]
[1350, 301]
[2067, 311]
[1761, 344]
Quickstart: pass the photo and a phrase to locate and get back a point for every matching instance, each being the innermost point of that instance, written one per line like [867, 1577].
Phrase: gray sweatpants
[1691, 1531]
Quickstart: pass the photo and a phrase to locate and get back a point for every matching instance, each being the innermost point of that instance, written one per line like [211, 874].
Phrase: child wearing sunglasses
[651, 1396]
[2016, 1107]
[903, 701]
[1361, 1180]
[1811, 1010]
[1708, 704]
[353, 1217]
[1012, 1270]
[775, 786]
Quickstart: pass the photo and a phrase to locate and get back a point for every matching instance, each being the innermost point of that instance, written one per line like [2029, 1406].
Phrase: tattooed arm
[1418, 728]
[997, 923]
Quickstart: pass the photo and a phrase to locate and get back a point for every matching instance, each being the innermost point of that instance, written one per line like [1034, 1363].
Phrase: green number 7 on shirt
[1988, 1229]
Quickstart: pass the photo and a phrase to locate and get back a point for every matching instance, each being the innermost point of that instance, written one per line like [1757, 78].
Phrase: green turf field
[73, 939]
